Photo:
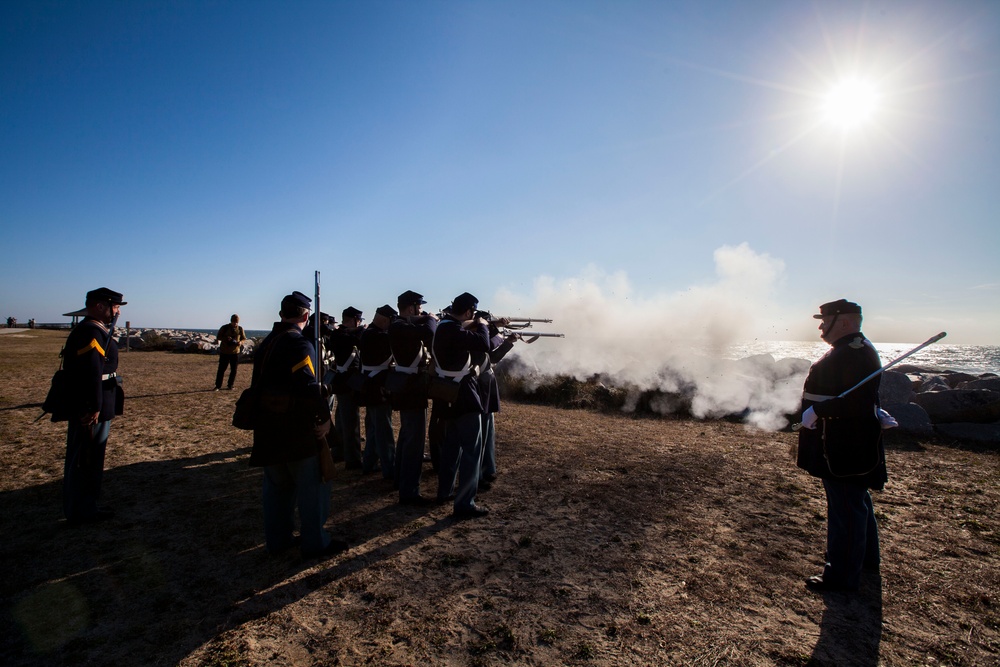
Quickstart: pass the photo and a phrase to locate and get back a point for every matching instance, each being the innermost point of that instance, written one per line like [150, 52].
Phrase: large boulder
[955, 378]
[131, 343]
[246, 354]
[985, 433]
[912, 419]
[986, 382]
[895, 389]
[979, 406]
[932, 383]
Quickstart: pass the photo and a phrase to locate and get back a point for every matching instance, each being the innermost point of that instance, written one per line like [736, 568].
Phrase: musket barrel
[527, 319]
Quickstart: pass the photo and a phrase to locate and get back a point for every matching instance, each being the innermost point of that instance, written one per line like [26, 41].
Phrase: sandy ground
[613, 540]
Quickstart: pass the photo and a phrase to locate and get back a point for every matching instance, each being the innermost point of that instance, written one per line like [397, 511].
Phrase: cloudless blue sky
[206, 158]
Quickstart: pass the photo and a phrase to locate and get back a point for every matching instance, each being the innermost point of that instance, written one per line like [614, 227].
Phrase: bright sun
[850, 103]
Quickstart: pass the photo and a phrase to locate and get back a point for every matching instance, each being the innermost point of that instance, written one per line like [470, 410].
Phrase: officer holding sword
[841, 443]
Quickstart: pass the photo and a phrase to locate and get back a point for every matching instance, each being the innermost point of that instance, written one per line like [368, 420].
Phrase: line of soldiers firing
[401, 361]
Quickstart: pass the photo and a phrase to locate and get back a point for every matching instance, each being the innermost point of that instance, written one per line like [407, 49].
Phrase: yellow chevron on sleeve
[302, 364]
[92, 345]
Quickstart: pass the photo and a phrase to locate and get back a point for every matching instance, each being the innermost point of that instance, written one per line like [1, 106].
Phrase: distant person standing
[230, 337]
[841, 443]
[91, 363]
[293, 419]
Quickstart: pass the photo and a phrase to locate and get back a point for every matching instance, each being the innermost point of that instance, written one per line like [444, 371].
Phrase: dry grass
[613, 541]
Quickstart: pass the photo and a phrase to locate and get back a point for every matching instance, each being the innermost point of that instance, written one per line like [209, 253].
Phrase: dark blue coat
[846, 444]
[291, 402]
[342, 343]
[408, 339]
[89, 354]
[453, 347]
[375, 351]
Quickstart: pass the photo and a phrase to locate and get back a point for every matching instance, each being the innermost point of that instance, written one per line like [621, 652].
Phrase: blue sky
[206, 158]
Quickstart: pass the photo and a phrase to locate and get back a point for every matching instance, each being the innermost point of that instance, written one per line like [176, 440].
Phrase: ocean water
[975, 359]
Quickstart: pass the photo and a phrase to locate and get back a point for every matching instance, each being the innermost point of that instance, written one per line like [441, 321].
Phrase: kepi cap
[386, 311]
[464, 302]
[838, 307]
[408, 297]
[296, 300]
[104, 294]
[350, 311]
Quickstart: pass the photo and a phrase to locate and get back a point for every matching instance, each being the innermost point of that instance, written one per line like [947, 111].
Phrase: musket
[532, 334]
[521, 321]
[518, 323]
[929, 341]
[318, 337]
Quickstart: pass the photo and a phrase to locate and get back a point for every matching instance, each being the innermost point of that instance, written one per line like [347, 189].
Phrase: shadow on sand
[28, 406]
[850, 631]
[182, 561]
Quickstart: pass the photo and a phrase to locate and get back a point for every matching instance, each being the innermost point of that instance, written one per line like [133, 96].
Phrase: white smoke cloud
[673, 342]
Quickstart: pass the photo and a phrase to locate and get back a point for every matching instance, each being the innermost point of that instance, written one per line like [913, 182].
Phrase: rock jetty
[176, 340]
[928, 400]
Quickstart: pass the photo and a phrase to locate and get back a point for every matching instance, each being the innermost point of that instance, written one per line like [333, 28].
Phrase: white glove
[809, 419]
[886, 420]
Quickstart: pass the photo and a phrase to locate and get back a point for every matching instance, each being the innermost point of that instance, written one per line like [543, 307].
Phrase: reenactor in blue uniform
[344, 342]
[325, 332]
[376, 361]
[292, 420]
[95, 397]
[410, 338]
[841, 443]
[459, 335]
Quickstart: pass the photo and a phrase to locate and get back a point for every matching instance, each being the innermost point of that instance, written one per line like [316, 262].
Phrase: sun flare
[850, 103]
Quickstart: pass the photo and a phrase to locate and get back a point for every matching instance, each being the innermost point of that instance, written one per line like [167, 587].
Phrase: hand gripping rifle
[929, 341]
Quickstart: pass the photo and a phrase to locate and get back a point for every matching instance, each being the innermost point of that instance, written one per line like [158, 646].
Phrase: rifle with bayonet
[521, 322]
[518, 326]
[531, 336]
[510, 322]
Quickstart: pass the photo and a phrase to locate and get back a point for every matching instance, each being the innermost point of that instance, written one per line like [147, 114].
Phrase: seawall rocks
[953, 404]
[177, 340]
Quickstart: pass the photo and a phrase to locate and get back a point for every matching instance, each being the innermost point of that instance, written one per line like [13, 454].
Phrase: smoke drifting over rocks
[673, 344]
